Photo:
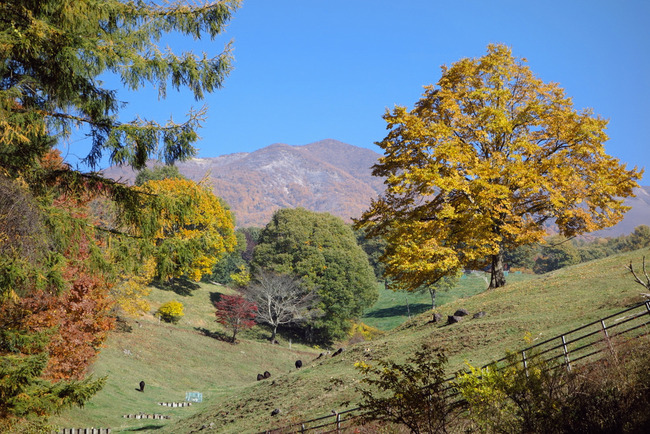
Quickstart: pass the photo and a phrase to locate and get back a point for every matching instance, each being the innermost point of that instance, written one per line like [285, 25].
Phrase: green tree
[484, 159]
[556, 253]
[638, 239]
[375, 247]
[231, 263]
[522, 256]
[53, 57]
[322, 251]
[157, 173]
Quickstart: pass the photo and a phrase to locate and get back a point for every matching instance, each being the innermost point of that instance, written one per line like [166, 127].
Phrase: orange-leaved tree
[486, 158]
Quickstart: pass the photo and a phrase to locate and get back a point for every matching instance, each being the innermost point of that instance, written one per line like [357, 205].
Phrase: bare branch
[645, 284]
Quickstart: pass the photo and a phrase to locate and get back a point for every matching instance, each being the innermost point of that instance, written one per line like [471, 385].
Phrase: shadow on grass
[145, 428]
[214, 335]
[415, 309]
[215, 297]
[182, 287]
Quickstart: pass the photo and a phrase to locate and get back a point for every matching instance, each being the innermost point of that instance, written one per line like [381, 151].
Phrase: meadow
[192, 356]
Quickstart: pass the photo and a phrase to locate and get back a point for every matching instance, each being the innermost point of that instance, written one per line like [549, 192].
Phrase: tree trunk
[497, 278]
[432, 291]
[275, 331]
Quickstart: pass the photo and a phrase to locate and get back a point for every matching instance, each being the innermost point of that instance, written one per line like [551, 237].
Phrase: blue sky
[307, 70]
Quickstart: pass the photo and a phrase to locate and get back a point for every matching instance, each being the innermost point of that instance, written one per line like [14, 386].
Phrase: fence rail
[579, 345]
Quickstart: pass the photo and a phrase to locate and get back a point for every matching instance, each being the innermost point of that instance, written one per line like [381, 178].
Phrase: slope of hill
[325, 176]
[544, 306]
[176, 359]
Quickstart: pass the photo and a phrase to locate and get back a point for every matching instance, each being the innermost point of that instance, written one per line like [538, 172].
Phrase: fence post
[566, 355]
[523, 357]
[609, 342]
[302, 428]
[338, 422]
[602, 323]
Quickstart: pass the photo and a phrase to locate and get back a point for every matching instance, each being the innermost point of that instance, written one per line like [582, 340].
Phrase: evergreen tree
[52, 55]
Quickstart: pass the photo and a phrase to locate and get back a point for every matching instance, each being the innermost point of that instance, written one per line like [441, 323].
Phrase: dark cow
[141, 389]
[267, 374]
[260, 377]
[298, 364]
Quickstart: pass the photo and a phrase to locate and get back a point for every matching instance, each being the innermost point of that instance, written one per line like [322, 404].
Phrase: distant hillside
[325, 176]
[638, 215]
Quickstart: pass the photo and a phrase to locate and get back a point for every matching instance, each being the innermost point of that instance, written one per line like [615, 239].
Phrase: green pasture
[192, 356]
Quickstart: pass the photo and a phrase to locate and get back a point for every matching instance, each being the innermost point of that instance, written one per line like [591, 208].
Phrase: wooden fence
[585, 343]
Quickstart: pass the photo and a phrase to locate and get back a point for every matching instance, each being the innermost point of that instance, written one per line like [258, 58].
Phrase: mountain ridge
[323, 176]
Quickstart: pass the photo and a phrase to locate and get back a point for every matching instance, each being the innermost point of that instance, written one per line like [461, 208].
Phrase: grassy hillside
[394, 308]
[173, 360]
[544, 306]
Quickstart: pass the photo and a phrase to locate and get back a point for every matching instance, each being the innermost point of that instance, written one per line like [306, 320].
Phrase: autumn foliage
[195, 228]
[486, 159]
[235, 313]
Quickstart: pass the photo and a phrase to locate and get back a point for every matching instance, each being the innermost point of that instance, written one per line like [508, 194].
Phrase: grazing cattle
[260, 377]
[267, 374]
[275, 412]
[298, 364]
[141, 386]
[337, 352]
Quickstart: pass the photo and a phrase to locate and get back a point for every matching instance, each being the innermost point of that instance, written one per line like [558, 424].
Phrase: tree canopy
[281, 299]
[483, 161]
[80, 233]
[157, 173]
[322, 251]
[196, 230]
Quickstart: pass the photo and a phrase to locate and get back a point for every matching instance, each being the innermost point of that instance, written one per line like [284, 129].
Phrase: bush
[513, 398]
[414, 393]
[172, 311]
[610, 395]
[360, 332]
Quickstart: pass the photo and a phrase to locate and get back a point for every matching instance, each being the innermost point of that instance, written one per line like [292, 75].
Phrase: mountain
[638, 215]
[325, 176]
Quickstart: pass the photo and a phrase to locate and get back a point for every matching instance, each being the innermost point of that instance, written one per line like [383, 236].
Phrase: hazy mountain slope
[325, 176]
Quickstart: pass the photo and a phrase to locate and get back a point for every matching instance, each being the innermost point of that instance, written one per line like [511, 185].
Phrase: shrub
[172, 311]
[414, 393]
[360, 332]
[609, 395]
[513, 398]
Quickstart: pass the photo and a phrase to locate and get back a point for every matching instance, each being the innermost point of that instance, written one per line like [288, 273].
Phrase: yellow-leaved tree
[196, 228]
[483, 161]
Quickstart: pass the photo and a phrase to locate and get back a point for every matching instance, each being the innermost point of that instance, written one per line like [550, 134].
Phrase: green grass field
[394, 308]
[176, 359]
